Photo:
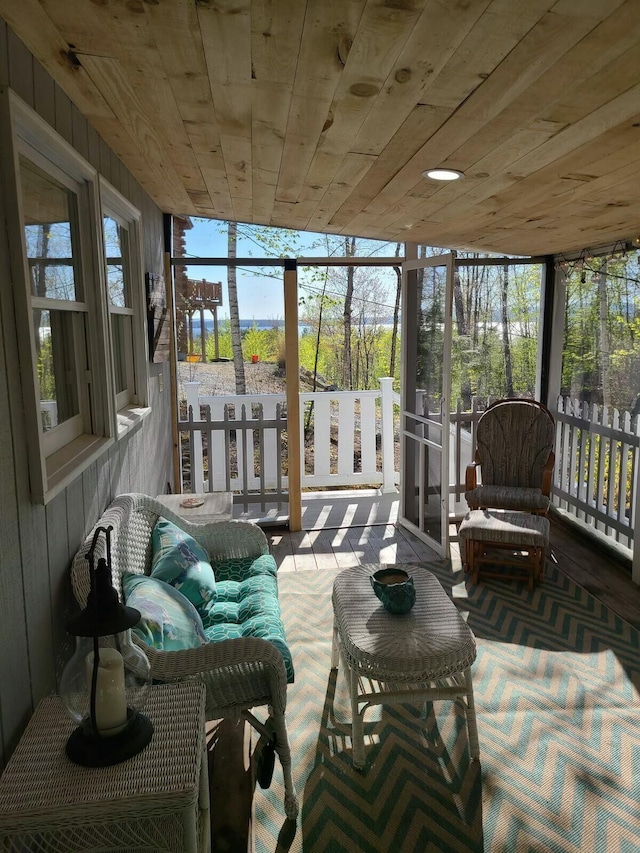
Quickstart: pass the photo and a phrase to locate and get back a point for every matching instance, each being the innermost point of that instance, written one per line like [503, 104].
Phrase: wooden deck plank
[603, 574]
[280, 545]
[362, 550]
[322, 550]
[341, 547]
[302, 553]
[229, 746]
[422, 551]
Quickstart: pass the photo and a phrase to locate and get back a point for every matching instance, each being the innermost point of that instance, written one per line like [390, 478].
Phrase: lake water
[245, 325]
[263, 325]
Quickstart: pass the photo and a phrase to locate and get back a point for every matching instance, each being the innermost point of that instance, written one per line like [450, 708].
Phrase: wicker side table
[422, 656]
[209, 506]
[156, 801]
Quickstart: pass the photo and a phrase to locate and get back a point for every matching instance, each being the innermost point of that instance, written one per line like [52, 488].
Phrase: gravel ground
[219, 378]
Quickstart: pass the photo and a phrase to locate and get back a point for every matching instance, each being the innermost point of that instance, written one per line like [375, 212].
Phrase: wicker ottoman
[495, 538]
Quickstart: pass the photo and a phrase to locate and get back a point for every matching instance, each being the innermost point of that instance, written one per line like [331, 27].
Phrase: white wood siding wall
[38, 542]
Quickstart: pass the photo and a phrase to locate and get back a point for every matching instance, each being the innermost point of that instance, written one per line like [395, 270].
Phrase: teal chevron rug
[556, 684]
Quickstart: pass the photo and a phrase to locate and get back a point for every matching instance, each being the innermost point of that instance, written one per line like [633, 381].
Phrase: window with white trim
[50, 204]
[125, 299]
[75, 243]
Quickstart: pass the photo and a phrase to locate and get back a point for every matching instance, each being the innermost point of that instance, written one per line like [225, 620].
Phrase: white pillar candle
[111, 700]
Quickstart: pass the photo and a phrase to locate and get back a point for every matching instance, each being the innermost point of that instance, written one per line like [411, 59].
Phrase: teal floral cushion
[182, 562]
[169, 621]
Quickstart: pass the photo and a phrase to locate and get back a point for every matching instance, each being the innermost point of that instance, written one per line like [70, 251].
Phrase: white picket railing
[345, 428]
[595, 476]
[348, 432]
[342, 430]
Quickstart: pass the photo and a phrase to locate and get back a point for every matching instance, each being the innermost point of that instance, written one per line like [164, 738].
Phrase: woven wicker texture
[240, 673]
[521, 539]
[149, 802]
[514, 447]
[508, 528]
[429, 642]
[420, 656]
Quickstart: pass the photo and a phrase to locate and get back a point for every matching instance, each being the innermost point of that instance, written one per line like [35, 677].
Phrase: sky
[260, 291]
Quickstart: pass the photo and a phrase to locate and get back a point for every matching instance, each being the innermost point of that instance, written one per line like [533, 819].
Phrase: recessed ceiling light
[443, 174]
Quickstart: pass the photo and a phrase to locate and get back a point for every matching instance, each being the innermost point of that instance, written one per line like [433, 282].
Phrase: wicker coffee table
[157, 800]
[422, 656]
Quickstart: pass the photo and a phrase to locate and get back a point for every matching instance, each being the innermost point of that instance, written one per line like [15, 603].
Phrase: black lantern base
[89, 749]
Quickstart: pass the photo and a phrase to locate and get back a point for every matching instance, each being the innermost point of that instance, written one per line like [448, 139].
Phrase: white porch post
[193, 400]
[386, 415]
[294, 421]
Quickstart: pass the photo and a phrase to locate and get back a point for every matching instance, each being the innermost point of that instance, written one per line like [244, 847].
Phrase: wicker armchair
[239, 674]
[514, 452]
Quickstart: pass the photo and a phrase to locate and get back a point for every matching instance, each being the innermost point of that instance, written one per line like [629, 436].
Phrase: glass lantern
[105, 684]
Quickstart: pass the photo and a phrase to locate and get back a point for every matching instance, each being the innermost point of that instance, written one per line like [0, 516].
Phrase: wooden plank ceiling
[323, 114]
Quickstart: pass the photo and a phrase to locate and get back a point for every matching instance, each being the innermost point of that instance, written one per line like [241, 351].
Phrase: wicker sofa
[240, 673]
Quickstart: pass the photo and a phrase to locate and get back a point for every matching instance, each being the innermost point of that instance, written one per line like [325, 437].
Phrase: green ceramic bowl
[395, 589]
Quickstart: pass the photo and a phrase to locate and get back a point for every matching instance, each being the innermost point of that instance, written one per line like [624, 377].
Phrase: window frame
[63, 434]
[70, 429]
[52, 468]
[135, 398]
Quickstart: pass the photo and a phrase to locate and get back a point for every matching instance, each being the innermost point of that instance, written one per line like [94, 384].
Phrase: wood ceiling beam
[276, 34]
[176, 32]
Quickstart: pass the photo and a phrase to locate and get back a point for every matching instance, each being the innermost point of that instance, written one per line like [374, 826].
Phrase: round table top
[430, 642]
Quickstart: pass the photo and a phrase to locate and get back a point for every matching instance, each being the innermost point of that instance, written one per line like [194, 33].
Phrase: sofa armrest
[132, 518]
[239, 673]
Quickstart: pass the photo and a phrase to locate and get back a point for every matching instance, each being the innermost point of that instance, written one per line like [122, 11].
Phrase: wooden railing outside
[235, 443]
[596, 470]
[238, 443]
[350, 439]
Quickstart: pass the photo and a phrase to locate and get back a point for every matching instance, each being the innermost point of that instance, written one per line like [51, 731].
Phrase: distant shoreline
[262, 325]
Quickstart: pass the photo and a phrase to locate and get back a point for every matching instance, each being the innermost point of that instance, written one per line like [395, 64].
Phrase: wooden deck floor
[349, 529]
